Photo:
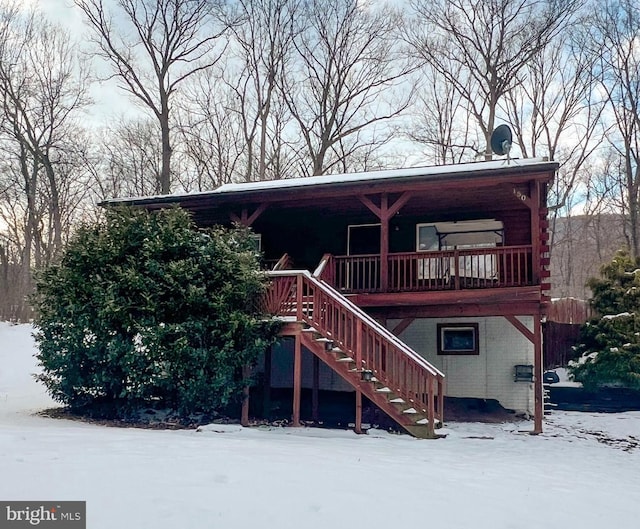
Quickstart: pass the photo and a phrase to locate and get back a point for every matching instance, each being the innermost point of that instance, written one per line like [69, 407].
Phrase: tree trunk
[165, 174]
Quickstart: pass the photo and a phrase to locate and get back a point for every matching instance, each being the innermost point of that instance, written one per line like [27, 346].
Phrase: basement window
[458, 339]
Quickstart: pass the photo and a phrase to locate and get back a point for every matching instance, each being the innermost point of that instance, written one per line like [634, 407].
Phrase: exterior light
[366, 375]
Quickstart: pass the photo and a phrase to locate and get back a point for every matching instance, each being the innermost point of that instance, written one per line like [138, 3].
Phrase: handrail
[345, 303]
[283, 263]
[501, 266]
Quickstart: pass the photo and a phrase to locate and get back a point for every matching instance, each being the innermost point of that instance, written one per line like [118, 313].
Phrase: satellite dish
[501, 140]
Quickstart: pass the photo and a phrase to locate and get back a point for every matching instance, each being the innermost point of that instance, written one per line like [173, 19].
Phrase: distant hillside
[580, 245]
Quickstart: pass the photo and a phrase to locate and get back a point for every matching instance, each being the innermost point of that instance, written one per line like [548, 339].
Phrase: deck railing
[509, 266]
[298, 294]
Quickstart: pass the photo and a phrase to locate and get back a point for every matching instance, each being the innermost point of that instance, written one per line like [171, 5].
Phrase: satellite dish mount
[501, 140]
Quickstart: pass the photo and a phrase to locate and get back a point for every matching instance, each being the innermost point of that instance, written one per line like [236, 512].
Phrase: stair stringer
[381, 400]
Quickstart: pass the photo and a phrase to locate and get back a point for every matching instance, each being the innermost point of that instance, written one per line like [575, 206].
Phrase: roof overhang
[480, 174]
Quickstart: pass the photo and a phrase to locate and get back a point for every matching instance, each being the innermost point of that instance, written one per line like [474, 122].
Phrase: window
[458, 339]
[256, 238]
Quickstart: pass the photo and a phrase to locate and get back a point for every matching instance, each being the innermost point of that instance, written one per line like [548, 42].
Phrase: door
[362, 269]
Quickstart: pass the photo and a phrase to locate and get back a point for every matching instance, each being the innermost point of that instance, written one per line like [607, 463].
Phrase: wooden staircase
[365, 354]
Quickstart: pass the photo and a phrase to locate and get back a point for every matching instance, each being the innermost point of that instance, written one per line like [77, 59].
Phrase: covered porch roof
[449, 188]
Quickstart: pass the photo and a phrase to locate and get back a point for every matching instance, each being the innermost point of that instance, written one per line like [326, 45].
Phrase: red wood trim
[266, 397]
[514, 295]
[401, 201]
[402, 326]
[245, 219]
[297, 381]
[358, 428]
[440, 409]
[299, 298]
[535, 231]
[315, 401]
[430, 410]
[384, 242]
[538, 411]
[522, 327]
[259, 211]
[454, 310]
[244, 417]
[367, 202]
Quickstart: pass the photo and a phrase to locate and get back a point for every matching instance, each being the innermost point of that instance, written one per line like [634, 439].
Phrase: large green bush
[609, 349]
[146, 310]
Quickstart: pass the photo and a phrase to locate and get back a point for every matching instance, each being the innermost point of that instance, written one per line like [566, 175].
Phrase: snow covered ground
[583, 472]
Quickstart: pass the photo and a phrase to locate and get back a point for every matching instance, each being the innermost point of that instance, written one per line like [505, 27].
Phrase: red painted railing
[298, 294]
[509, 266]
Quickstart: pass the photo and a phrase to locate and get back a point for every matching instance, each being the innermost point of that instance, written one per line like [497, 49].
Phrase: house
[402, 286]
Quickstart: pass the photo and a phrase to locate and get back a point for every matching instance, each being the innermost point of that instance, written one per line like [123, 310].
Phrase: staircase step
[309, 329]
[410, 411]
[422, 431]
[324, 340]
[345, 359]
[336, 350]
[383, 390]
[398, 400]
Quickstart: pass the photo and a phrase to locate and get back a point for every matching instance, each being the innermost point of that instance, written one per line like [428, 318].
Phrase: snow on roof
[347, 178]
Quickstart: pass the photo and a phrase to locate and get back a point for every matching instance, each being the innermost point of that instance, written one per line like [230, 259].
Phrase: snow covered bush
[146, 310]
[609, 349]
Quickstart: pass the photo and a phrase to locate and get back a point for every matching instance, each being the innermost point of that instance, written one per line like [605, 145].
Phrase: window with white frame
[458, 339]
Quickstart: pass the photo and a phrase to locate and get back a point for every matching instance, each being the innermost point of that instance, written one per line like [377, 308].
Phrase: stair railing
[374, 348]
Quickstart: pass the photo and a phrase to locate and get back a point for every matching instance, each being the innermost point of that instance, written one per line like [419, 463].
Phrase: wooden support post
[431, 416]
[315, 401]
[538, 411]
[384, 243]
[297, 380]
[266, 398]
[441, 400]
[244, 418]
[358, 428]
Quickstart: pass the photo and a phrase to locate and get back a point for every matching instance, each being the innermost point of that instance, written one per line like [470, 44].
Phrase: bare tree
[615, 34]
[263, 43]
[232, 118]
[166, 42]
[128, 161]
[557, 112]
[43, 86]
[488, 43]
[349, 74]
[440, 123]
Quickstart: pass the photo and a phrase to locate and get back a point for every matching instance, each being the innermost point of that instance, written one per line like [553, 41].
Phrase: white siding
[488, 375]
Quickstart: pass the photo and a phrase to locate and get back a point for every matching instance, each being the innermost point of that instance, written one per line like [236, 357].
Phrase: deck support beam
[244, 416]
[266, 397]
[315, 401]
[297, 381]
[535, 338]
[358, 428]
[245, 219]
[538, 411]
